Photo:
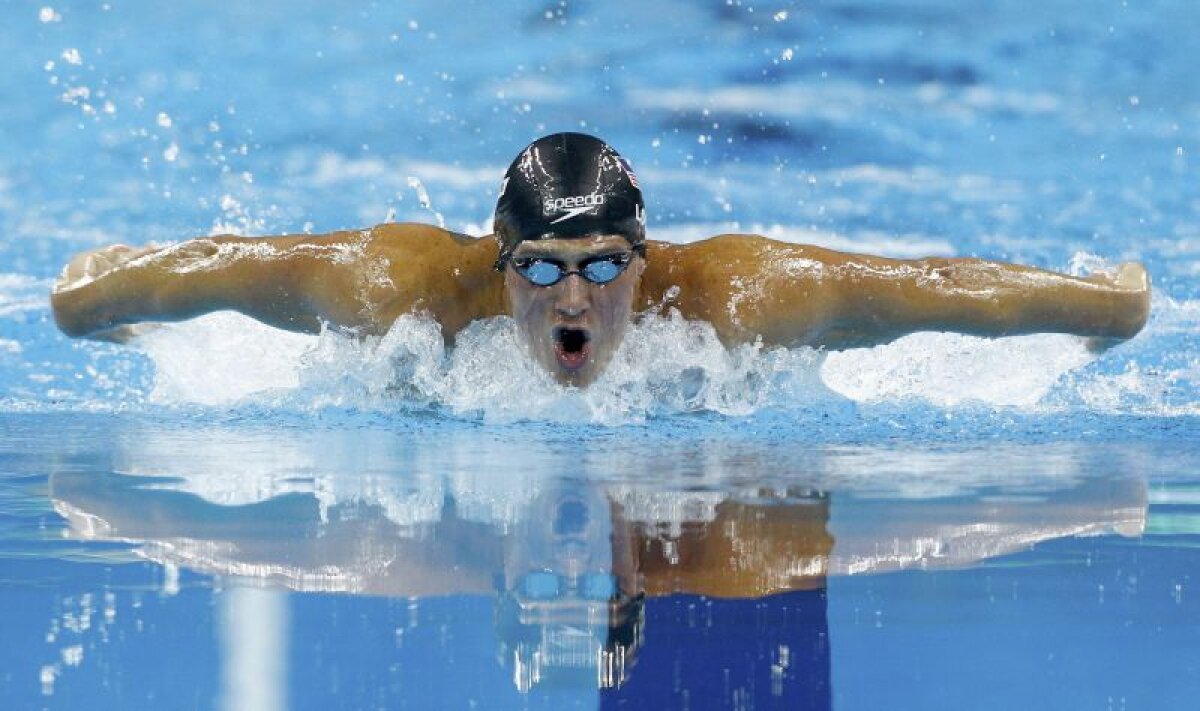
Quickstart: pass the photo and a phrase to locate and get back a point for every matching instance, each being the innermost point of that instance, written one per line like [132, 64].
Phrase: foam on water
[666, 366]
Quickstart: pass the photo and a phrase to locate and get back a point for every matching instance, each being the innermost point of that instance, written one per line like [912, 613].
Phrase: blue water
[226, 515]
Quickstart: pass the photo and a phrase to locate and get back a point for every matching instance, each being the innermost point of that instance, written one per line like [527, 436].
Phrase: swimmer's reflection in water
[643, 591]
[567, 600]
[570, 263]
[590, 587]
[584, 585]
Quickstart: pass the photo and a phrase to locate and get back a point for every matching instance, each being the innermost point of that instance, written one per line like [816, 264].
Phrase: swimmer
[570, 263]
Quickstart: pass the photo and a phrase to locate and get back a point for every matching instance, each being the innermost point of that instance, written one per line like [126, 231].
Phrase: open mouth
[571, 346]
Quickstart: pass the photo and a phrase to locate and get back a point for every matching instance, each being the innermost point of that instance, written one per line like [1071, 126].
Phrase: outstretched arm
[751, 287]
[289, 282]
[882, 299]
[360, 280]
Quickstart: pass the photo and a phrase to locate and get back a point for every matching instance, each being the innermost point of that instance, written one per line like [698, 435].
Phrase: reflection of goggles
[540, 271]
[546, 585]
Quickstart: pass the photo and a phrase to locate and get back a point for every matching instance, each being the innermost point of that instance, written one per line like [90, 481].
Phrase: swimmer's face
[573, 327]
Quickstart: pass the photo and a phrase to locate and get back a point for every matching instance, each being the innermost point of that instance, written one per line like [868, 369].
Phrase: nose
[573, 299]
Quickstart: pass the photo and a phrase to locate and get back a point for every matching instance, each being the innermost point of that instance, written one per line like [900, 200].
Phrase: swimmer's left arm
[882, 299]
[751, 288]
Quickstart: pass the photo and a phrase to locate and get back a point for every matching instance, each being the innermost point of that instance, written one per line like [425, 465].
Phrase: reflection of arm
[360, 280]
[879, 535]
[285, 539]
[750, 286]
[748, 550]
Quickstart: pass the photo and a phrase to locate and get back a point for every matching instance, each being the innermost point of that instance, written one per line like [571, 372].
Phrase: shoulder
[426, 251]
[744, 285]
[417, 236]
[414, 267]
[733, 244]
[729, 254]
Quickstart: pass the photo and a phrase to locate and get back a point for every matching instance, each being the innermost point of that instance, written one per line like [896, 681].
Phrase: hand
[88, 266]
[1130, 277]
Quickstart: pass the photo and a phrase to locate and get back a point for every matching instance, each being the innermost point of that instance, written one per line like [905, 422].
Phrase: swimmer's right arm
[358, 280]
[288, 282]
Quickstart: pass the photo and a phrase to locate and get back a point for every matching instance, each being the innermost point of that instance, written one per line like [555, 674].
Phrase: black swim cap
[568, 185]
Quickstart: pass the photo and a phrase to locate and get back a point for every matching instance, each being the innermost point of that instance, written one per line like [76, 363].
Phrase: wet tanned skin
[748, 287]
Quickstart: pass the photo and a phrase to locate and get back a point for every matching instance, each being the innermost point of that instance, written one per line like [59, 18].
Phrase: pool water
[226, 515]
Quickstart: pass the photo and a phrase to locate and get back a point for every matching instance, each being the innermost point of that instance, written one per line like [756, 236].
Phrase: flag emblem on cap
[629, 172]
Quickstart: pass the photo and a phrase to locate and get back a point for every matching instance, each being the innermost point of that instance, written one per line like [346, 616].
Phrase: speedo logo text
[573, 205]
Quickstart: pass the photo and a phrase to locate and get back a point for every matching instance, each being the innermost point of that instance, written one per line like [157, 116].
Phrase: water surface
[228, 515]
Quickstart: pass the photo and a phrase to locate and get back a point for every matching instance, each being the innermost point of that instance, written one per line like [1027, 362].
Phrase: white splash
[221, 358]
[666, 365]
[423, 198]
[951, 370]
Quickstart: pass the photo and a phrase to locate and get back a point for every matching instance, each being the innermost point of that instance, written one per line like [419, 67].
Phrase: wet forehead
[573, 248]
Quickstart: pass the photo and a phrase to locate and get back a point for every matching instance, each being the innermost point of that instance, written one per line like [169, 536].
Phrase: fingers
[80, 270]
[86, 266]
[1132, 276]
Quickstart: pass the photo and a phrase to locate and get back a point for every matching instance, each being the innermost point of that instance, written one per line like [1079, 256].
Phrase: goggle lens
[602, 271]
[546, 585]
[547, 272]
[598, 586]
[541, 273]
[541, 585]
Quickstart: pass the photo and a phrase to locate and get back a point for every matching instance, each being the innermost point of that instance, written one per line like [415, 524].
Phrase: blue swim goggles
[541, 271]
[547, 585]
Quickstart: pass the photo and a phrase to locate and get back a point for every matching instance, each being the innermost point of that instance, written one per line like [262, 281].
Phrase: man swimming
[569, 261]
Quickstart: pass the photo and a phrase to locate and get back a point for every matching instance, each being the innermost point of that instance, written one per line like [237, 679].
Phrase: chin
[578, 378]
